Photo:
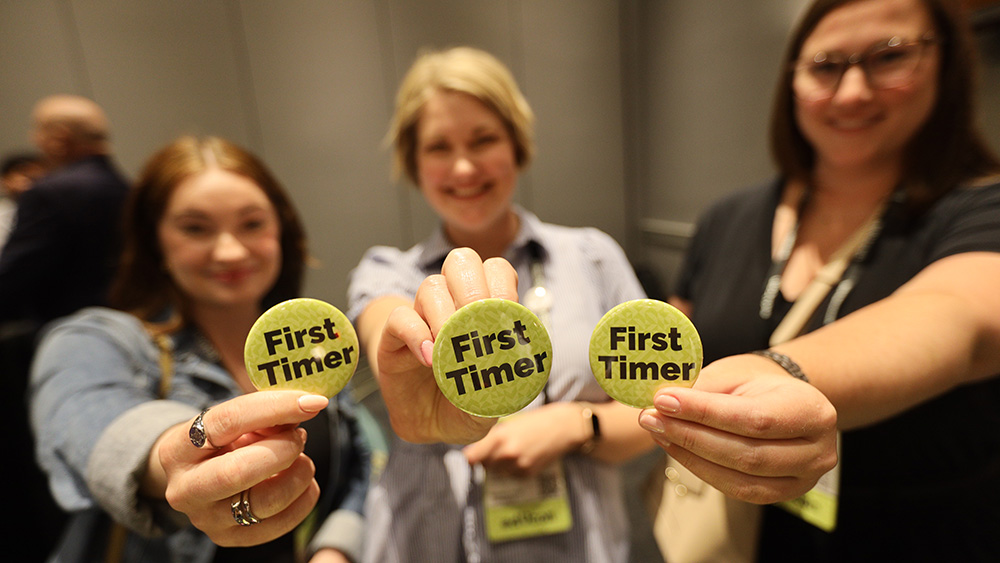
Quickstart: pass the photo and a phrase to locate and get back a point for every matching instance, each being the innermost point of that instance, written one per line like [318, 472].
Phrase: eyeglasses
[888, 64]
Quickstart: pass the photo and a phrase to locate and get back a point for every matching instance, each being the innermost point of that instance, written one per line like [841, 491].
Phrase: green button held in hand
[492, 357]
[642, 345]
[302, 344]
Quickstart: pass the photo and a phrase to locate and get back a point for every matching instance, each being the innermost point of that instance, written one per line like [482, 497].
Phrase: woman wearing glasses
[883, 172]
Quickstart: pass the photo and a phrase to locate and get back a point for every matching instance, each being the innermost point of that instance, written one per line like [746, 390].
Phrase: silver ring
[198, 434]
[241, 510]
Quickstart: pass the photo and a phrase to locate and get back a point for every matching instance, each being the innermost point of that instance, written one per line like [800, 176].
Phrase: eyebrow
[199, 213]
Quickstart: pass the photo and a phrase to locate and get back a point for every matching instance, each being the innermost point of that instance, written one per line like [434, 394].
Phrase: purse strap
[119, 533]
[828, 276]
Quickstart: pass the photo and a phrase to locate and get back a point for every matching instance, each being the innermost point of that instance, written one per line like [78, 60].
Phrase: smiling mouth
[853, 124]
[471, 191]
[232, 276]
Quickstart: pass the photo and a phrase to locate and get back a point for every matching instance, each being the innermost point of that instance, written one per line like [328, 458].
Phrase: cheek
[268, 249]
[180, 254]
[430, 173]
[919, 110]
[502, 161]
[806, 115]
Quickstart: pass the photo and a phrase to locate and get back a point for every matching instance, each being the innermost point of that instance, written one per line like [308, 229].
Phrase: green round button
[303, 344]
[642, 345]
[492, 357]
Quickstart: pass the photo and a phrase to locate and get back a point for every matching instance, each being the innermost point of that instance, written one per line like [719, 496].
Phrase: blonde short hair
[468, 71]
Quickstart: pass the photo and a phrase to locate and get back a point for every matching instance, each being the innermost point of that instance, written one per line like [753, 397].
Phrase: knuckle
[230, 476]
[222, 424]
[683, 437]
[760, 423]
[750, 461]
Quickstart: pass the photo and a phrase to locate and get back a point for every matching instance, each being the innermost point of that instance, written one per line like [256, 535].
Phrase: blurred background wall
[647, 109]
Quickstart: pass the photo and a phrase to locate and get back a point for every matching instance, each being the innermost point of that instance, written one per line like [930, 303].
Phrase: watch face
[642, 345]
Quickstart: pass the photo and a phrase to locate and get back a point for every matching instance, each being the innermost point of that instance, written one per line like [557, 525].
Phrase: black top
[64, 247]
[922, 485]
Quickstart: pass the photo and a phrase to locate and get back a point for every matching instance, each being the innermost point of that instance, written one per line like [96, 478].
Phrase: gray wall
[647, 109]
[309, 85]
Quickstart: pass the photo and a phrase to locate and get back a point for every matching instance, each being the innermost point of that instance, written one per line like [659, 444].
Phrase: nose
[463, 166]
[228, 248]
[854, 86]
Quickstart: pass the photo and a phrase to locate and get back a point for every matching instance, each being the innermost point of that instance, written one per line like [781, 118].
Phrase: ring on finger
[241, 510]
[198, 434]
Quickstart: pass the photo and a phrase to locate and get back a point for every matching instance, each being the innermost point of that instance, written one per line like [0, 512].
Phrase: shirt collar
[436, 248]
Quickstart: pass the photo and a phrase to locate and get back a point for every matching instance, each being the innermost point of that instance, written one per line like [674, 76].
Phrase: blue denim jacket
[96, 413]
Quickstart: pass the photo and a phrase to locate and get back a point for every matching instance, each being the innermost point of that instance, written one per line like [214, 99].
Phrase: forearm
[903, 350]
[118, 472]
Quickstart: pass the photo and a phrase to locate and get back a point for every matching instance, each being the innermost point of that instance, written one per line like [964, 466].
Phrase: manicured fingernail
[313, 403]
[427, 351]
[667, 404]
[651, 423]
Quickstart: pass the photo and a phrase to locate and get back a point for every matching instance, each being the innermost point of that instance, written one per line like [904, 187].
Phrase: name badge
[517, 508]
[818, 506]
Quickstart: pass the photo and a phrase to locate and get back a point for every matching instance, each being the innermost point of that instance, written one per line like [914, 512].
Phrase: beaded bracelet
[785, 362]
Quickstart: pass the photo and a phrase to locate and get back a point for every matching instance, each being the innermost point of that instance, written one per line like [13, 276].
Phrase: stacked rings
[241, 510]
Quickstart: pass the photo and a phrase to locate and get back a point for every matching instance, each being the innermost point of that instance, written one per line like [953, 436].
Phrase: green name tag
[517, 508]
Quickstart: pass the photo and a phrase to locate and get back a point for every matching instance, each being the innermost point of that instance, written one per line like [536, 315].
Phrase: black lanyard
[847, 281]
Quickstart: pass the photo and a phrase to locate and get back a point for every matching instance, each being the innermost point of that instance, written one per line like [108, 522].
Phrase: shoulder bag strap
[119, 533]
[828, 276]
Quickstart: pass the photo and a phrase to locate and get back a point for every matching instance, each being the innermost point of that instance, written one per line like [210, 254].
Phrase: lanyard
[538, 298]
[848, 279]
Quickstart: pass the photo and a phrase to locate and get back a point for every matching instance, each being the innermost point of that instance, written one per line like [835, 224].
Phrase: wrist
[784, 362]
[592, 428]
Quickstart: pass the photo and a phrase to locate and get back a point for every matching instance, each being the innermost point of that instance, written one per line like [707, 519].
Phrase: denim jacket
[96, 413]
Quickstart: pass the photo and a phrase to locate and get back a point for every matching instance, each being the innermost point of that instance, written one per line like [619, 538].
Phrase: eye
[436, 147]
[825, 68]
[893, 57]
[485, 140]
[194, 229]
[256, 224]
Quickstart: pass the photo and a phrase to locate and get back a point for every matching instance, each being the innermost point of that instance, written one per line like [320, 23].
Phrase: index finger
[259, 412]
[769, 417]
[501, 278]
[466, 277]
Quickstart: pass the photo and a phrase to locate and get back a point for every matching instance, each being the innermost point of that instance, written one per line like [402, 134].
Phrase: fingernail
[651, 423]
[667, 404]
[427, 350]
[313, 403]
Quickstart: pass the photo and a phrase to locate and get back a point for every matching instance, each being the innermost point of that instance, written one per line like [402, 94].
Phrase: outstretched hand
[254, 445]
[418, 411]
[753, 433]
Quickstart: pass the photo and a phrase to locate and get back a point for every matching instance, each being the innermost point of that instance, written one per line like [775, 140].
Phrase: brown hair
[469, 71]
[142, 286]
[946, 151]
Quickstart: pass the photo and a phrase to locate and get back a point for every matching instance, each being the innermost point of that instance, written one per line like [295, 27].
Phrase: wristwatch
[590, 418]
